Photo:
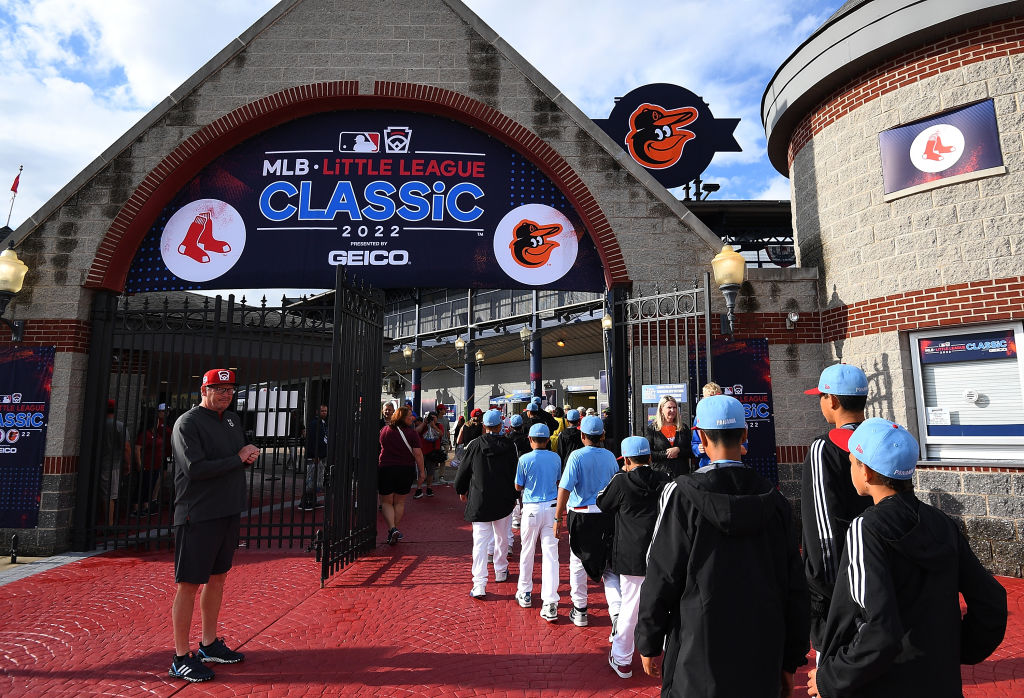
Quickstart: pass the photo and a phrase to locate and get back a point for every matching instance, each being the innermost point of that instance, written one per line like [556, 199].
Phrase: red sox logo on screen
[937, 148]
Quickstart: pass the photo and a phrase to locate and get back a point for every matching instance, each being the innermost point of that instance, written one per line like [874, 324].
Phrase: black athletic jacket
[632, 498]
[894, 628]
[569, 440]
[209, 477]
[487, 475]
[828, 503]
[521, 440]
[659, 444]
[724, 591]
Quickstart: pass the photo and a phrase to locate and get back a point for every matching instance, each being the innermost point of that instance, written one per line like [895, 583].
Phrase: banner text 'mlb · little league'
[380, 200]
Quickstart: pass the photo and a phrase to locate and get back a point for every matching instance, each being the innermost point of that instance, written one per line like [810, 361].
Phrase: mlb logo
[16, 398]
[359, 142]
[5, 399]
[397, 139]
[727, 390]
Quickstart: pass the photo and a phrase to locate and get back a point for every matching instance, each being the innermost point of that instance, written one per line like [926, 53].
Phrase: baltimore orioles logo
[656, 136]
[529, 245]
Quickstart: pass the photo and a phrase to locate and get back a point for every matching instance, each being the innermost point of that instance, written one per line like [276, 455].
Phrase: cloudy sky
[75, 74]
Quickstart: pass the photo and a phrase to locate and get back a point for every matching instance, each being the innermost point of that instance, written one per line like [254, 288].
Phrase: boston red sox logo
[657, 135]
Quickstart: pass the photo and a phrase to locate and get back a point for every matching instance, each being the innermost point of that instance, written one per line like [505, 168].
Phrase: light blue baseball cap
[884, 446]
[592, 425]
[534, 406]
[492, 418]
[573, 416]
[517, 420]
[540, 431]
[633, 446]
[841, 379]
[719, 412]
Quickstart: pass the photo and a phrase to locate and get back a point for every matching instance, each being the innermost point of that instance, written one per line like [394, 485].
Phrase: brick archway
[117, 250]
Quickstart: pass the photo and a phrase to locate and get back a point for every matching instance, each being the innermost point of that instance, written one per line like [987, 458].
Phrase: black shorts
[205, 548]
[395, 479]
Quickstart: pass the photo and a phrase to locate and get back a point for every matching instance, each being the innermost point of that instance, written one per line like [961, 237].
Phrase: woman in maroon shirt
[401, 462]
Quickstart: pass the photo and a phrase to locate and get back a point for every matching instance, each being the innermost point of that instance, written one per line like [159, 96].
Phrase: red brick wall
[67, 335]
[955, 51]
[60, 465]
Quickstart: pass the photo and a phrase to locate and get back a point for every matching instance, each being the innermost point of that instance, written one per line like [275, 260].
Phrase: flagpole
[14, 195]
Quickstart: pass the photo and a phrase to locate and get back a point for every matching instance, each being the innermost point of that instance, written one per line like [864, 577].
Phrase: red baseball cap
[476, 413]
[219, 376]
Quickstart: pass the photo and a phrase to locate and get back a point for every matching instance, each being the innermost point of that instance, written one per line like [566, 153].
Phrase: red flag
[14, 187]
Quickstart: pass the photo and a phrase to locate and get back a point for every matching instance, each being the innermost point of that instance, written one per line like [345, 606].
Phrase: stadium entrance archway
[251, 200]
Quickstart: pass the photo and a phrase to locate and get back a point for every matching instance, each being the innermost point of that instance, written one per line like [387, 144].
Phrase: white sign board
[938, 416]
[651, 394]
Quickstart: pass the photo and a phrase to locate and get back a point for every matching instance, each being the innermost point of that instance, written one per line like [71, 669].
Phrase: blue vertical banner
[742, 368]
[26, 375]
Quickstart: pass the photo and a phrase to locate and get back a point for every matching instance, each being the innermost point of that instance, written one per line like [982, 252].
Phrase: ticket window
[586, 399]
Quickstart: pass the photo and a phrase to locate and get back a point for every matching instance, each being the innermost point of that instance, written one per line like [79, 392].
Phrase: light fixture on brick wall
[12, 277]
[730, 270]
[791, 320]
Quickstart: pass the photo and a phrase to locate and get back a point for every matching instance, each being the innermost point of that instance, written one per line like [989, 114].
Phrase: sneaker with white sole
[478, 593]
[190, 668]
[219, 653]
[549, 612]
[624, 672]
[524, 598]
[500, 576]
[578, 616]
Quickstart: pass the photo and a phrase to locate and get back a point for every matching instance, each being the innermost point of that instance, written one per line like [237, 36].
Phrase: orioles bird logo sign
[657, 135]
[530, 246]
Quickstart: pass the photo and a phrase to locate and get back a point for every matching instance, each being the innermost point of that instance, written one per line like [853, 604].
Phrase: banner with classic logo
[960, 144]
[26, 374]
[742, 368]
[983, 346]
[401, 199]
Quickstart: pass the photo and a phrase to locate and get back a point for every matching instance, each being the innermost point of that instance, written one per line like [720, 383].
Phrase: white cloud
[778, 188]
[77, 73]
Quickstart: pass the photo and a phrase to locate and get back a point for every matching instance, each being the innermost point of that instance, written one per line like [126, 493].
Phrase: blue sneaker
[219, 653]
[190, 668]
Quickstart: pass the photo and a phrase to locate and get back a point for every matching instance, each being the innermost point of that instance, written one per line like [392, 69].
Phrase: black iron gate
[151, 351]
[350, 519]
[665, 341]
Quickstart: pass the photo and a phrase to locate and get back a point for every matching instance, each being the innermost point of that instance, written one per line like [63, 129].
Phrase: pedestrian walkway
[399, 622]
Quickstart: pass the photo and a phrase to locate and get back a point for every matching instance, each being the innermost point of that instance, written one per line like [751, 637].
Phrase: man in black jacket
[210, 457]
[486, 481]
[725, 595]
[895, 627]
[632, 498]
[828, 502]
[570, 439]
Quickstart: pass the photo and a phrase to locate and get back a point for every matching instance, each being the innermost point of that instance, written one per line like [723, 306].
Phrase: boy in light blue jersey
[587, 471]
[537, 479]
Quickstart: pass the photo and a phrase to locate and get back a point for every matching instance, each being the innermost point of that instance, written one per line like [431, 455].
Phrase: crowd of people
[701, 570]
[698, 557]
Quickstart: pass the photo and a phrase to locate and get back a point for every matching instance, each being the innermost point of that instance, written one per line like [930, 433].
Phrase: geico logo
[8, 449]
[365, 258]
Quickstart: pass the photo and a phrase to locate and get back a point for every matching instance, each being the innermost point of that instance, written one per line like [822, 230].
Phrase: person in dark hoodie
[725, 595]
[486, 482]
[895, 627]
[828, 502]
[517, 434]
[570, 439]
[632, 498]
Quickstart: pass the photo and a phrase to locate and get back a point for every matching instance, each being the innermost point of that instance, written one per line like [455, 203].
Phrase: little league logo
[657, 135]
[937, 148]
[535, 244]
[202, 240]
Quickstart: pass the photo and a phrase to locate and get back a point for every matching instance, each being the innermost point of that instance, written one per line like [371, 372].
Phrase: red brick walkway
[399, 622]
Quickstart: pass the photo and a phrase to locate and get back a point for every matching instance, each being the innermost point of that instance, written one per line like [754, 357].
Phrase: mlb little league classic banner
[401, 199]
[958, 145]
[26, 374]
